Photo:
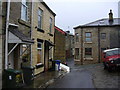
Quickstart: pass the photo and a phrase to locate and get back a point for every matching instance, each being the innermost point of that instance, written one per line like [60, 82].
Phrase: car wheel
[105, 66]
[110, 69]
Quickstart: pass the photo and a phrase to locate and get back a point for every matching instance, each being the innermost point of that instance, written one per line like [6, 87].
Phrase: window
[39, 52]
[40, 18]
[50, 52]
[50, 24]
[76, 53]
[103, 35]
[24, 10]
[88, 37]
[88, 52]
[77, 37]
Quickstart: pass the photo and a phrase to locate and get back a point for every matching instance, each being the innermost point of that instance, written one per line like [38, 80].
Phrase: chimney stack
[110, 16]
[68, 31]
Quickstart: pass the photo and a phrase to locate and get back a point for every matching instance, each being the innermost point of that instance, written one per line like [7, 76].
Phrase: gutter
[6, 41]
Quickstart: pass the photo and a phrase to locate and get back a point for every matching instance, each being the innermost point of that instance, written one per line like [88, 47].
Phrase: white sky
[71, 13]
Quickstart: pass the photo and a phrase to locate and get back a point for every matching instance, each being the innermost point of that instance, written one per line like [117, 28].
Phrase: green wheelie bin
[13, 78]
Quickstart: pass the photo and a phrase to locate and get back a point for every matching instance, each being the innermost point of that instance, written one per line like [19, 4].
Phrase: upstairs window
[40, 18]
[103, 35]
[88, 37]
[24, 10]
[77, 37]
[50, 25]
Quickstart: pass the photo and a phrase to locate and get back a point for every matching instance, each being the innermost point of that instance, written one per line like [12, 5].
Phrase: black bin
[28, 73]
[13, 78]
[53, 65]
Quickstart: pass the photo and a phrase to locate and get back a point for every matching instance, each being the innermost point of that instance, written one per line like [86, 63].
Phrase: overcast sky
[71, 13]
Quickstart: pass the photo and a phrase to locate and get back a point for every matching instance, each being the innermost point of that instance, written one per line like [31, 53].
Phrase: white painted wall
[11, 58]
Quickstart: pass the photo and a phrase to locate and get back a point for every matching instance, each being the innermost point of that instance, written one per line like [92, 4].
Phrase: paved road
[88, 76]
[74, 79]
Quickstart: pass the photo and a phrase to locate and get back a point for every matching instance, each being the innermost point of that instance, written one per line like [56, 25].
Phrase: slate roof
[60, 30]
[101, 22]
[21, 36]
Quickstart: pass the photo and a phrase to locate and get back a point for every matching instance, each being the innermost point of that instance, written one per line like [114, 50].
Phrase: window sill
[50, 34]
[89, 59]
[24, 22]
[77, 60]
[40, 30]
[103, 40]
[88, 42]
[39, 65]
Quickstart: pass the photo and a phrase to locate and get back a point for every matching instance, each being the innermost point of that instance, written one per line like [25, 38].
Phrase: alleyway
[88, 76]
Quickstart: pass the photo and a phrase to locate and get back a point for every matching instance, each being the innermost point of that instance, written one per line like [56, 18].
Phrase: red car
[111, 58]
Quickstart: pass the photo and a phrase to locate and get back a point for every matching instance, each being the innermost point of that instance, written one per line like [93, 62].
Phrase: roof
[60, 30]
[101, 22]
[21, 36]
[48, 8]
[111, 49]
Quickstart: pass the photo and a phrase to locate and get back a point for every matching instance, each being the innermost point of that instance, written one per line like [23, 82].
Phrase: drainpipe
[31, 31]
[6, 41]
[99, 45]
[81, 46]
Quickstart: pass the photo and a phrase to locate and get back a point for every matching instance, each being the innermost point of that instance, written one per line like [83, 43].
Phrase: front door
[46, 58]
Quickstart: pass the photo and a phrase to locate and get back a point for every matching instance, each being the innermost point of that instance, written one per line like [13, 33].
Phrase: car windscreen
[113, 52]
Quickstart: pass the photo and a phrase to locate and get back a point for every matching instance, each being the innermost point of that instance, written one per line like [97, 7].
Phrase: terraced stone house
[92, 38]
[43, 22]
[16, 30]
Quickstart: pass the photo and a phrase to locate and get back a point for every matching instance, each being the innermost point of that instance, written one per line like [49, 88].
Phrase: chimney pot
[110, 16]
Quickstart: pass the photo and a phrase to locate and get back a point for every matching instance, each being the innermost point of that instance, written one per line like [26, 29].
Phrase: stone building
[43, 21]
[69, 45]
[1, 36]
[92, 38]
[16, 30]
[59, 49]
[1, 45]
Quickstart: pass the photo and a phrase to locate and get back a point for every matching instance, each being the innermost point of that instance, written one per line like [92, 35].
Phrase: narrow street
[88, 76]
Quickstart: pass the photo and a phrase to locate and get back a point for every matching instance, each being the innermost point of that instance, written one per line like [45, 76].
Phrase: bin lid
[58, 60]
[13, 71]
[28, 67]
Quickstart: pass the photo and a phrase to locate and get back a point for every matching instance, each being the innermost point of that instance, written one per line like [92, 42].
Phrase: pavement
[45, 79]
[91, 76]
[74, 79]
